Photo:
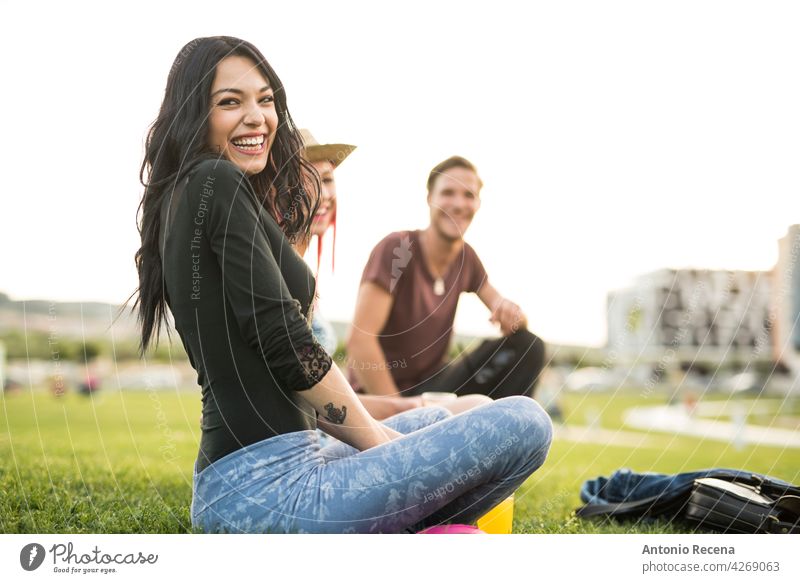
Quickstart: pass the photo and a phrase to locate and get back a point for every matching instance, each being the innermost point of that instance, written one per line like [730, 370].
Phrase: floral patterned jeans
[445, 469]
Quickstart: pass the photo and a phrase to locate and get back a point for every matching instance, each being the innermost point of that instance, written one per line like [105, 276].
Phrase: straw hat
[315, 152]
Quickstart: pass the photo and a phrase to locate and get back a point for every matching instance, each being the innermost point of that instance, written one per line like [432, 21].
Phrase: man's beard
[446, 235]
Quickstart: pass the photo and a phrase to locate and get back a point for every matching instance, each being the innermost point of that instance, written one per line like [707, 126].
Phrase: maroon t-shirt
[420, 324]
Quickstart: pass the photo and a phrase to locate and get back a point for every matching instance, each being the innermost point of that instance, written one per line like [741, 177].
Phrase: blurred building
[694, 315]
[786, 301]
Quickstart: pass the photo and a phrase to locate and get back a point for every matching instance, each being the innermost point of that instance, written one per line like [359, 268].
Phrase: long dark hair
[288, 186]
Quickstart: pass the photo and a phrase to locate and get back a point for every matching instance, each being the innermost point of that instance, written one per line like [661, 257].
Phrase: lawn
[121, 462]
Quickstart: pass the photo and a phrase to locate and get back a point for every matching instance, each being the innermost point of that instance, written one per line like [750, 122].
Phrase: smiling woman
[243, 120]
[229, 199]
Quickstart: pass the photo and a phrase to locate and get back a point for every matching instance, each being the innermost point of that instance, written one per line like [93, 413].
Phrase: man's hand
[504, 312]
[509, 316]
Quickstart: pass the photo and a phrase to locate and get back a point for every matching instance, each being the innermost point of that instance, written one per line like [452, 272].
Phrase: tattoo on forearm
[334, 415]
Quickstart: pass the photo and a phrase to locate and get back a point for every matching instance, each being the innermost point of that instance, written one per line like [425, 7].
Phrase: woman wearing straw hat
[326, 158]
[226, 198]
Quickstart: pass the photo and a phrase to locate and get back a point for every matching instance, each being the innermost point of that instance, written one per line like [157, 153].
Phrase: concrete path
[676, 419]
[599, 436]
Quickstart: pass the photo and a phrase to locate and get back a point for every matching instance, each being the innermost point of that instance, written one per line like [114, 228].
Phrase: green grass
[117, 462]
[122, 463]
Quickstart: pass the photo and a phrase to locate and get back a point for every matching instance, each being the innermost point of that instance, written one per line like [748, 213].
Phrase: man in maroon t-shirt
[407, 303]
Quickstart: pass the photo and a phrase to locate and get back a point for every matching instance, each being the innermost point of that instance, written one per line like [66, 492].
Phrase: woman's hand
[382, 407]
[378, 435]
[343, 416]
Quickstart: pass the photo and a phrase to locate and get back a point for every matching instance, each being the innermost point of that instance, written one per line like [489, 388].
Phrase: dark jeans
[500, 367]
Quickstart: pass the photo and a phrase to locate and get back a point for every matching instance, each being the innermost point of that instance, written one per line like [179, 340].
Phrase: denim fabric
[326, 336]
[332, 447]
[323, 331]
[407, 422]
[627, 486]
[445, 469]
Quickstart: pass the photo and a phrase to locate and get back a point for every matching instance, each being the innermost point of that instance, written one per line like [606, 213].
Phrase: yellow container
[499, 519]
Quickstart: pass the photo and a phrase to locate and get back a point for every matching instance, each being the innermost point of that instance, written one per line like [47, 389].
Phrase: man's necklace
[438, 283]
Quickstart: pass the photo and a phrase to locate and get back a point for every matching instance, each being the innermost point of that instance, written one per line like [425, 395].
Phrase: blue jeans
[323, 332]
[445, 469]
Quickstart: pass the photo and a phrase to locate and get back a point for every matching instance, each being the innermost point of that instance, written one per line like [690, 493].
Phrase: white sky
[613, 138]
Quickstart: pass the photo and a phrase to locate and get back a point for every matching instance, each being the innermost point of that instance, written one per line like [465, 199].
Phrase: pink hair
[333, 249]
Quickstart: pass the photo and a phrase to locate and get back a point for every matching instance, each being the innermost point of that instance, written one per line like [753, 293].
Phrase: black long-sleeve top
[241, 298]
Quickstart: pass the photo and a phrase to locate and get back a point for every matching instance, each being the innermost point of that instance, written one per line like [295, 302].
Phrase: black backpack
[723, 500]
